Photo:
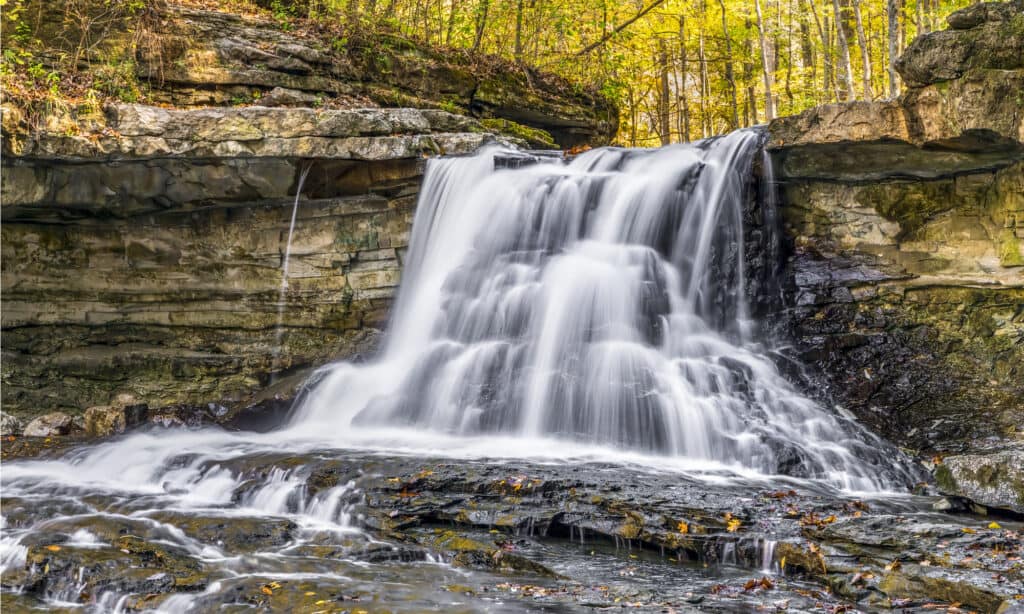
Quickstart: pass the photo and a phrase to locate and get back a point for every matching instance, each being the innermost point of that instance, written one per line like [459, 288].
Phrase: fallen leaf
[683, 527]
[53, 548]
[968, 530]
[994, 525]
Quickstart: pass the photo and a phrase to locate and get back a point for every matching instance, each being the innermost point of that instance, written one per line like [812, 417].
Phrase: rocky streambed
[235, 523]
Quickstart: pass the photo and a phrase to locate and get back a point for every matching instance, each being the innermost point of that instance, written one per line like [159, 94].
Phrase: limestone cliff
[905, 228]
[146, 258]
[143, 243]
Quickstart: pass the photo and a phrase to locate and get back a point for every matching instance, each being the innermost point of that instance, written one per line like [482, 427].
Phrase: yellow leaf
[53, 548]
[267, 590]
[683, 527]
[310, 593]
[994, 525]
[968, 530]
[733, 525]
[782, 563]
[892, 566]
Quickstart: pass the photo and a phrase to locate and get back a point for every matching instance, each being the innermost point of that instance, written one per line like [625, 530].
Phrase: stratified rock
[992, 478]
[9, 425]
[905, 225]
[50, 425]
[987, 36]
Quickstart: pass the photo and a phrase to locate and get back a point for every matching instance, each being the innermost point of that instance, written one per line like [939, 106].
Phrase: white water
[282, 294]
[600, 301]
[590, 311]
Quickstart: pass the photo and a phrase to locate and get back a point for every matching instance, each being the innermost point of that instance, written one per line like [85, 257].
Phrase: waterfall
[598, 301]
[282, 293]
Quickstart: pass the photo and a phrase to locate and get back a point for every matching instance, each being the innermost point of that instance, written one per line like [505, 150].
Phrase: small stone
[104, 420]
[284, 97]
[50, 425]
[942, 505]
[9, 425]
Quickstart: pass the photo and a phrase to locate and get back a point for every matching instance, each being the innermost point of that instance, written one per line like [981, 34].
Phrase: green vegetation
[678, 69]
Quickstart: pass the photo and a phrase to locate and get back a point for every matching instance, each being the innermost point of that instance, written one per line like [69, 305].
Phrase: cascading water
[601, 301]
[590, 311]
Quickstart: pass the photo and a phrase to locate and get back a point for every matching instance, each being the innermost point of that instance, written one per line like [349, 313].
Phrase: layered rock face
[905, 223]
[146, 257]
[187, 58]
[143, 247]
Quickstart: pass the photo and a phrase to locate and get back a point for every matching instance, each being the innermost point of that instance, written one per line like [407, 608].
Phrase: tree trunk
[664, 93]
[769, 104]
[517, 51]
[806, 47]
[831, 90]
[865, 52]
[730, 75]
[844, 52]
[481, 23]
[750, 102]
[684, 104]
[705, 129]
[892, 9]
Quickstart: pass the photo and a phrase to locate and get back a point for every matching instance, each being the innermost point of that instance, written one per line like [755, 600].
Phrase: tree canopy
[681, 69]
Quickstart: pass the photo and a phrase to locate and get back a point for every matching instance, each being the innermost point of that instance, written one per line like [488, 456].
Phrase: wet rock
[106, 420]
[131, 566]
[50, 425]
[993, 478]
[233, 534]
[10, 425]
[902, 219]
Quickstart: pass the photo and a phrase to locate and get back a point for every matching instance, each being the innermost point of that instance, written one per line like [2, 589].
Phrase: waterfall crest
[601, 301]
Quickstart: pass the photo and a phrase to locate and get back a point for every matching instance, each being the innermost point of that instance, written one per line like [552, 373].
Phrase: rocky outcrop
[188, 58]
[145, 255]
[905, 228]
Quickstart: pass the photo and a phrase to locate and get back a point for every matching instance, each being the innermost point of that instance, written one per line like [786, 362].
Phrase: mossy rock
[535, 137]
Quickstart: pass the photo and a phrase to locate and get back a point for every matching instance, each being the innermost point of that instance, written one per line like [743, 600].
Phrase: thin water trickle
[279, 327]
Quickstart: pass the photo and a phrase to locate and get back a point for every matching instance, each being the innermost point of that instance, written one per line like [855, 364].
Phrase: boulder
[50, 425]
[106, 420]
[993, 478]
[10, 425]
